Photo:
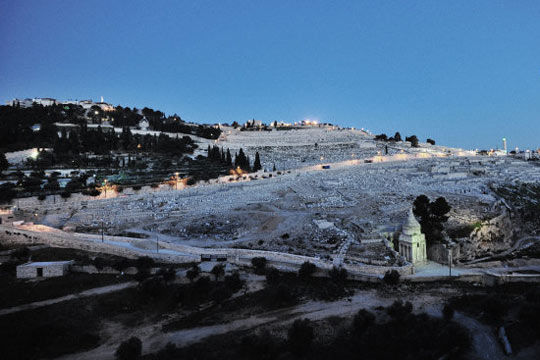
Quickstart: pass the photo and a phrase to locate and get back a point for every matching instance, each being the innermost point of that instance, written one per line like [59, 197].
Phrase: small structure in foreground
[43, 269]
[412, 243]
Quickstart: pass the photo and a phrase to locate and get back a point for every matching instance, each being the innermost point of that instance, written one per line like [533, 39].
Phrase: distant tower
[102, 99]
[504, 144]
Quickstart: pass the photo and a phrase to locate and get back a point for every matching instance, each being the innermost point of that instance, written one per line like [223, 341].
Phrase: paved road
[90, 292]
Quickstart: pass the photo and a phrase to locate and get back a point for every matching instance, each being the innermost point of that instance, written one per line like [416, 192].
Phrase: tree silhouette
[218, 270]
[257, 164]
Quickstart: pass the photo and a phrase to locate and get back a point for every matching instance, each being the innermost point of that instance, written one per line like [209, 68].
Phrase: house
[43, 269]
[144, 124]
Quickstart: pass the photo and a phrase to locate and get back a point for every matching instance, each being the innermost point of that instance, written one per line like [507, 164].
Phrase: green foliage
[413, 140]
[448, 312]
[4, 164]
[338, 275]
[391, 277]
[307, 270]
[363, 320]
[432, 216]
[193, 272]
[130, 349]
[7, 193]
[259, 263]
[218, 270]
[257, 163]
[300, 336]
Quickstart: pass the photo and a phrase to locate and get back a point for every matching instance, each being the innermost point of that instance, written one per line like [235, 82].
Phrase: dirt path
[90, 292]
[484, 342]
[485, 345]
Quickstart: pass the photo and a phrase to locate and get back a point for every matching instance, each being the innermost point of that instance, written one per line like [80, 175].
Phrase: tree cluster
[432, 214]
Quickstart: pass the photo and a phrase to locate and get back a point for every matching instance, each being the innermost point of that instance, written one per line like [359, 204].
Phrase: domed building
[412, 243]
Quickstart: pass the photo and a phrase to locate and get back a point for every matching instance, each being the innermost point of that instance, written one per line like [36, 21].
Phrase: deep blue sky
[465, 73]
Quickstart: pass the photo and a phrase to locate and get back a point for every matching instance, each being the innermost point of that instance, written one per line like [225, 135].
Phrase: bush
[41, 197]
[21, 254]
[448, 312]
[99, 263]
[362, 320]
[391, 277]
[307, 269]
[399, 310]
[65, 194]
[218, 270]
[136, 187]
[430, 141]
[413, 140]
[259, 263]
[280, 295]
[144, 262]
[273, 276]
[300, 336]
[192, 273]
[129, 350]
[233, 282]
[7, 192]
[338, 275]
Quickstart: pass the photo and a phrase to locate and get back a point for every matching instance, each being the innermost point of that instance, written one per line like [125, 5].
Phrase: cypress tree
[257, 164]
[229, 158]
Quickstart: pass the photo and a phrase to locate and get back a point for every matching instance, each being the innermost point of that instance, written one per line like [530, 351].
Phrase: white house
[144, 124]
[43, 269]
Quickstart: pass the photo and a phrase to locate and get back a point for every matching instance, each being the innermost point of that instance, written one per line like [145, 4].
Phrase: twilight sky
[465, 73]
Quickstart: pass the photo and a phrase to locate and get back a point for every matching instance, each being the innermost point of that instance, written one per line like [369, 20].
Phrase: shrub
[430, 141]
[273, 276]
[448, 312]
[144, 262]
[99, 263]
[259, 263]
[7, 192]
[399, 310]
[41, 197]
[192, 273]
[168, 274]
[307, 269]
[300, 336]
[338, 275]
[136, 187]
[413, 140]
[391, 277]
[218, 270]
[65, 194]
[129, 350]
[362, 320]
[21, 253]
[234, 282]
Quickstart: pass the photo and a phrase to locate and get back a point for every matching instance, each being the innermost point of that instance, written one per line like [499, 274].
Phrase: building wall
[52, 270]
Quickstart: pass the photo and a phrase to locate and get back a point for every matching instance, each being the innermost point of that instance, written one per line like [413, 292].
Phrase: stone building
[412, 243]
[43, 269]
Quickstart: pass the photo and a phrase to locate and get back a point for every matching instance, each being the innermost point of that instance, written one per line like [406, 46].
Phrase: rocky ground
[302, 207]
